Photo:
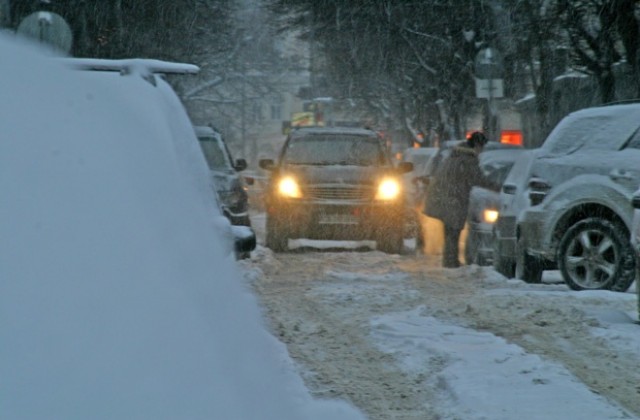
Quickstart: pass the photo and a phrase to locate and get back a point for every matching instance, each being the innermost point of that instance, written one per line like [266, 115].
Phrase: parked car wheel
[390, 241]
[420, 244]
[277, 239]
[528, 268]
[504, 266]
[471, 254]
[596, 254]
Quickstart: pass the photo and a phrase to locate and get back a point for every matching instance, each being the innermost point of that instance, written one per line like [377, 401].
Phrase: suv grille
[338, 193]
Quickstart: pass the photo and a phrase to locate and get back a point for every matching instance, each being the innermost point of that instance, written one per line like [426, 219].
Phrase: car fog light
[490, 215]
[288, 187]
[389, 189]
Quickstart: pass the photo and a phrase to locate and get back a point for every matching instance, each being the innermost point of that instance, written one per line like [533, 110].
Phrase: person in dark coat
[449, 190]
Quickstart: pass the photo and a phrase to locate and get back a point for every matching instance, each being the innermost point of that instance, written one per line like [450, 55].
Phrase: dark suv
[335, 183]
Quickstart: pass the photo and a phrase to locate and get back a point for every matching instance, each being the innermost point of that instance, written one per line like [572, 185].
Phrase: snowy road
[401, 338]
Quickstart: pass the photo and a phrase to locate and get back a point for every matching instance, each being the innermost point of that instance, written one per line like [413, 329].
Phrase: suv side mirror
[635, 201]
[240, 165]
[404, 167]
[267, 164]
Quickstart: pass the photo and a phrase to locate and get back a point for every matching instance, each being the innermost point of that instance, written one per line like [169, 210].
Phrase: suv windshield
[322, 149]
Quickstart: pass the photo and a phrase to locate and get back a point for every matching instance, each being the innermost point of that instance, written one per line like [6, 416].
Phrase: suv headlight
[388, 189]
[288, 187]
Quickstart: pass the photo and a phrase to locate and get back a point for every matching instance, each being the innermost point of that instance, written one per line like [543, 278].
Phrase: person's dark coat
[448, 193]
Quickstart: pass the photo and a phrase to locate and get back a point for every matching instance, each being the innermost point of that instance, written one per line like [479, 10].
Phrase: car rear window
[343, 149]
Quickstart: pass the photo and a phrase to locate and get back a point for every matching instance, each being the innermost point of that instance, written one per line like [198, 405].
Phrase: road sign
[49, 28]
[489, 88]
[302, 119]
[488, 64]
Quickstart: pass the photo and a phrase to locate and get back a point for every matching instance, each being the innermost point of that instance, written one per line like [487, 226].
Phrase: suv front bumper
[337, 220]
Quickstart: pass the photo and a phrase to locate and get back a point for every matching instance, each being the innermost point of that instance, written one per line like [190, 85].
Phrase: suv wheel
[277, 239]
[471, 250]
[596, 254]
[420, 244]
[391, 241]
[504, 266]
[528, 268]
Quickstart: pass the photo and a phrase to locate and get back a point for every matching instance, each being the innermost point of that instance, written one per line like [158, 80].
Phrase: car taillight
[538, 190]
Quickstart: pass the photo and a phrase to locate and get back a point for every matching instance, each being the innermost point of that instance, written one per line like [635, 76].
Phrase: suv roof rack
[144, 67]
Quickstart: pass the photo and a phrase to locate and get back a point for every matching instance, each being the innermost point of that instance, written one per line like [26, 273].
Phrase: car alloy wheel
[596, 254]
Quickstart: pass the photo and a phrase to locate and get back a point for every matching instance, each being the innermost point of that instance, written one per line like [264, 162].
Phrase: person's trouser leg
[450, 254]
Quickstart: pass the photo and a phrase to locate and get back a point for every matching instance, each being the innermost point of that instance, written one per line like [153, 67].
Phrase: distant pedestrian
[448, 193]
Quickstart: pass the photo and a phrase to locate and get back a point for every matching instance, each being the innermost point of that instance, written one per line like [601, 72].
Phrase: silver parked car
[512, 200]
[579, 188]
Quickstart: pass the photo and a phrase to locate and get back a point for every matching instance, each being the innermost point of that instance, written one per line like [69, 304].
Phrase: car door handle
[509, 189]
[621, 174]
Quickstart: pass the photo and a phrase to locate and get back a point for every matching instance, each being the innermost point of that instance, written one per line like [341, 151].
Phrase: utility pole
[489, 85]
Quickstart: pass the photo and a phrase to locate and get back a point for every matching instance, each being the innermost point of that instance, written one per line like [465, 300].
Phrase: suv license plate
[338, 219]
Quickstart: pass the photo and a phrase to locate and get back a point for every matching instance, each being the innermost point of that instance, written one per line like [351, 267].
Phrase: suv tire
[504, 266]
[390, 241]
[596, 254]
[471, 250]
[277, 240]
[528, 268]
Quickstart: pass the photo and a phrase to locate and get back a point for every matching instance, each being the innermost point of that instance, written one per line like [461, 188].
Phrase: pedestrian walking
[448, 193]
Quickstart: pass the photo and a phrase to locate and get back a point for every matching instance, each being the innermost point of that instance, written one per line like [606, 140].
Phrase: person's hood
[463, 150]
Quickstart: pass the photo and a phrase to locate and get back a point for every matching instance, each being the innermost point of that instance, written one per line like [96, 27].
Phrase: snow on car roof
[598, 128]
[423, 151]
[332, 130]
[204, 131]
[498, 155]
[131, 65]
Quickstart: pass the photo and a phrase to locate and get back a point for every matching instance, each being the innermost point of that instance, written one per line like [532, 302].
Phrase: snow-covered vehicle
[239, 241]
[225, 173]
[579, 188]
[229, 188]
[512, 200]
[335, 183]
